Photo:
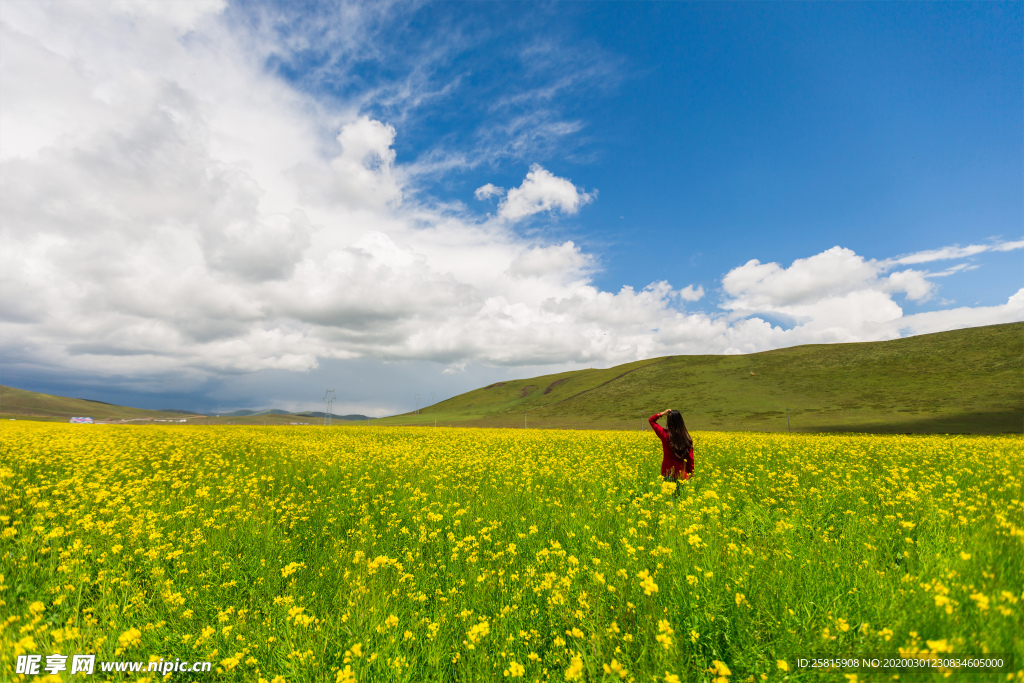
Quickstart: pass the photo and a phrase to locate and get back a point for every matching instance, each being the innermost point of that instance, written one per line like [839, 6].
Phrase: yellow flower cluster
[394, 554]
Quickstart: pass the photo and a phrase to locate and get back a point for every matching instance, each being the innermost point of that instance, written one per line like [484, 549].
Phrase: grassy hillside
[19, 404]
[964, 381]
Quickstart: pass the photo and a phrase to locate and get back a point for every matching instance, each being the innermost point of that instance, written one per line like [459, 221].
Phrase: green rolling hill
[964, 381]
[19, 404]
[31, 405]
[967, 381]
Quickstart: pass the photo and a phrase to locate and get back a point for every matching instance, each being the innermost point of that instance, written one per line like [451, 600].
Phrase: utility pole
[329, 400]
[790, 428]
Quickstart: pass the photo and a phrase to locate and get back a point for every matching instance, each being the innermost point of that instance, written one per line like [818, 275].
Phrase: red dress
[670, 464]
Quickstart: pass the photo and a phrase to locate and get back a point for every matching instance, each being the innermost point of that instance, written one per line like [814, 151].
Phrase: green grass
[964, 381]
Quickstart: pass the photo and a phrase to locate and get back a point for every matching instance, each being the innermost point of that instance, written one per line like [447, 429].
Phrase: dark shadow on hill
[978, 422]
[972, 422]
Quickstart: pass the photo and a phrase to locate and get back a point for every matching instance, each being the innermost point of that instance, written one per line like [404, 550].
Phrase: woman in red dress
[676, 447]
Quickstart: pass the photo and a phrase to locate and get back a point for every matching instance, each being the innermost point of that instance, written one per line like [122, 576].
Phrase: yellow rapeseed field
[419, 554]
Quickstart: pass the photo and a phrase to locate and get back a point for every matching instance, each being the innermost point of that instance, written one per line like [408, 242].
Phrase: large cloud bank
[168, 207]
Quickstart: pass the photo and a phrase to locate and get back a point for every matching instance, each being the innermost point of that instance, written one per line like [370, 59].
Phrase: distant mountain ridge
[23, 404]
[244, 413]
[306, 413]
[335, 417]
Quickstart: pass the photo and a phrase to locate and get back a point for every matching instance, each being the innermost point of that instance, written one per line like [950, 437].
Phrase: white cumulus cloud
[487, 191]
[838, 295]
[542, 191]
[689, 293]
[561, 260]
[766, 286]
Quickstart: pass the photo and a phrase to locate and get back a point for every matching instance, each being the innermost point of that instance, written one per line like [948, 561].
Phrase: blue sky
[256, 201]
[886, 128]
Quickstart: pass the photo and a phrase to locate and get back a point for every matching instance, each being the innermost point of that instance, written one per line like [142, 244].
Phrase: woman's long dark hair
[678, 437]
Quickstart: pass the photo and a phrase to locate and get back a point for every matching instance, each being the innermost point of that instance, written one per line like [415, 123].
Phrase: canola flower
[403, 554]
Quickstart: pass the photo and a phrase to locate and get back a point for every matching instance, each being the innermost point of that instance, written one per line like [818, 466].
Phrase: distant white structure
[81, 420]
